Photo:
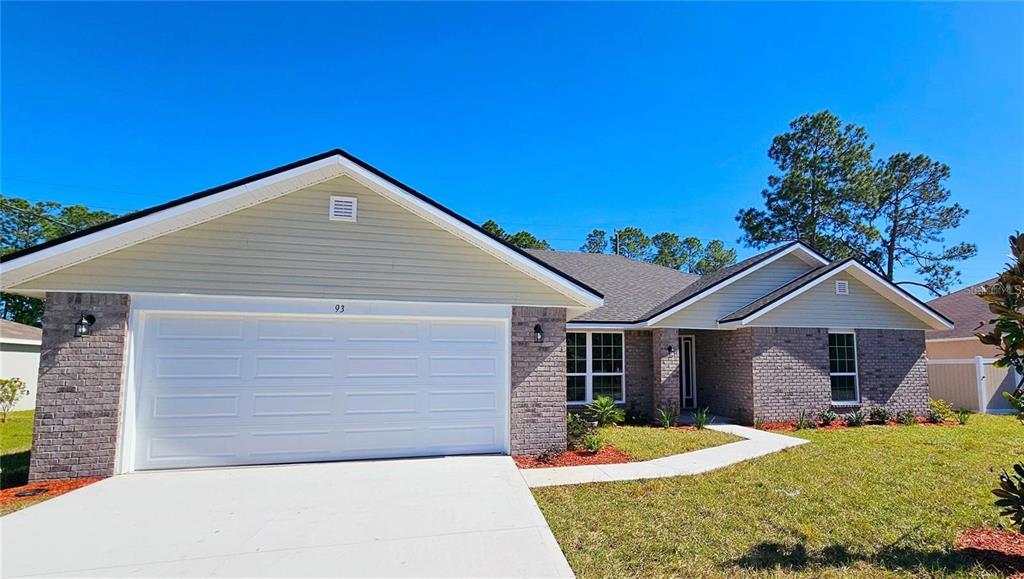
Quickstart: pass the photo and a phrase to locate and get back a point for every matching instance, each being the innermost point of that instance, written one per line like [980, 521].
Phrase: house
[323, 311]
[961, 369]
[970, 314]
[19, 358]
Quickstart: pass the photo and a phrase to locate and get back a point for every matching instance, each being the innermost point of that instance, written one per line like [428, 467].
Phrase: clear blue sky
[556, 118]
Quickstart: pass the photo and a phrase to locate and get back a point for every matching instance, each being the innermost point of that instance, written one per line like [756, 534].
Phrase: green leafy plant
[906, 418]
[940, 407]
[880, 415]
[548, 454]
[1005, 300]
[667, 417]
[759, 423]
[577, 429]
[855, 418]
[962, 416]
[934, 416]
[1011, 496]
[827, 417]
[593, 443]
[11, 391]
[804, 421]
[604, 411]
[701, 418]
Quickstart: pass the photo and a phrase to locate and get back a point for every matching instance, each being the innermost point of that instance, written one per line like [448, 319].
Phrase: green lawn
[646, 443]
[873, 501]
[15, 443]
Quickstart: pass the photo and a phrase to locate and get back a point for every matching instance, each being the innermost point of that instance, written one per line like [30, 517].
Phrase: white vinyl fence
[972, 384]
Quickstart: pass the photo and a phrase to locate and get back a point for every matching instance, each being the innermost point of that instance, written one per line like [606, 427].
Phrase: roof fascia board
[798, 246]
[597, 326]
[963, 339]
[203, 208]
[470, 234]
[873, 280]
[21, 341]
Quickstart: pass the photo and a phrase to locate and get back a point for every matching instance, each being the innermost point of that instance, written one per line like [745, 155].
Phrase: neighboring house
[19, 358]
[960, 367]
[325, 311]
[970, 313]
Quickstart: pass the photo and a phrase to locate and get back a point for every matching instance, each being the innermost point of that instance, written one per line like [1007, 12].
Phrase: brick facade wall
[893, 370]
[538, 380]
[79, 394]
[791, 372]
[665, 369]
[639, 372]
[724, 377]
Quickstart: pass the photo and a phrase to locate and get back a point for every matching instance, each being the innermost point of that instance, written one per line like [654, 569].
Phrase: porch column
[665, 359]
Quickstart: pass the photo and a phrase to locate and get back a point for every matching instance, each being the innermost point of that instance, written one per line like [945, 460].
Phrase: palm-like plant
[604, 411]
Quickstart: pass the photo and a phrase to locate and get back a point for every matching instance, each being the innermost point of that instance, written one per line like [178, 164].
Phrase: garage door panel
[232, 391]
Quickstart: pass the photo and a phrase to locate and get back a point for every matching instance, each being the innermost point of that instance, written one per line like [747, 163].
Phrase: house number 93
[339, 308]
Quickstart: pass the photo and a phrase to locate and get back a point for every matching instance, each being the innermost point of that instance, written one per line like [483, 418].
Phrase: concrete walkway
[757, 443]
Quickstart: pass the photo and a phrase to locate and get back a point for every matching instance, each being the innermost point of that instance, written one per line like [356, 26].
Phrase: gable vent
[343, 208]
[842, 287]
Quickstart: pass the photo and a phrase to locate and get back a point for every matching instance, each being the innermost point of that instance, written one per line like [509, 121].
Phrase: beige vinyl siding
[960, 349]
[820, 307]
[288, 247]
[705, 313]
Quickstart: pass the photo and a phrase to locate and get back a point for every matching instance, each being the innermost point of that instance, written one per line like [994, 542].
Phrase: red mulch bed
[607, 455]
[1002, 550]
[53, 488]
[840, 425]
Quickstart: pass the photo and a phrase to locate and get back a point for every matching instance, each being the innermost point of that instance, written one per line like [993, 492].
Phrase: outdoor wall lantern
[671, 349]
[538, 334]
[83, 324]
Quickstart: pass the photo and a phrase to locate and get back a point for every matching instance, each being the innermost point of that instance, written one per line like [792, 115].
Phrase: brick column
[538, 380]
[79, 395]
[665, 379]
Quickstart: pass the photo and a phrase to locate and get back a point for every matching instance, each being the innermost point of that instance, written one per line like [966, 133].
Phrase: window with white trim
[842, 367]
[594, 366]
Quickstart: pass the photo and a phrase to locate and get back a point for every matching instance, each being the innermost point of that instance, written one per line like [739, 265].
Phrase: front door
[687, 374]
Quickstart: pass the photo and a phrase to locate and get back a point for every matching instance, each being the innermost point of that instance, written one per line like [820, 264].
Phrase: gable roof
[969, 312]
[898, 295]
[205, 205]
[15, 333]
[631, 288]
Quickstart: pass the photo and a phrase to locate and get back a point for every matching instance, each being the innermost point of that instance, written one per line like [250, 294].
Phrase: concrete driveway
[452, 516]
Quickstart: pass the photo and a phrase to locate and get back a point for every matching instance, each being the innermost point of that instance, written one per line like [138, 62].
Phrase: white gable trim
[203, 209]
[876, 282]
[805, 252]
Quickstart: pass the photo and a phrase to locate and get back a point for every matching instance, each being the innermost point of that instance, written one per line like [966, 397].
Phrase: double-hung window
[842, 367]
[594, 366]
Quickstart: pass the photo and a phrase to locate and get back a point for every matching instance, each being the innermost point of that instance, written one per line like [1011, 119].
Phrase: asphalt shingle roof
[965, 309]
[14, 331]
[631, 288]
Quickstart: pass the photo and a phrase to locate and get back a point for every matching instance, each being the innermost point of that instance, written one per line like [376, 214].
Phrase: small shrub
[604, 411]
[827, 417]
[701, 418]
[880, 415]
[548, 454]
[854, 419]
[1011, 496]
[593, 443]
[11, 391]
[940, 407]
[906, 418]
[759, 423]
[667, 417]
[577, 428]
[962, 416]
[934, 416]
[804, 421]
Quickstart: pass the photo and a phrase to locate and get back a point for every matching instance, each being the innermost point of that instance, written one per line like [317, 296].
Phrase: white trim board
[865, 275]
[203, 209]
[806, 253]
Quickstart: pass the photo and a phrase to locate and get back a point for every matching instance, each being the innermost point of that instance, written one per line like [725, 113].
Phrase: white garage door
[231, 390]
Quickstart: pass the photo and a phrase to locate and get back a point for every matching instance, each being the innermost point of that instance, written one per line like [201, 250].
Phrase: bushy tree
[521, 239]
[822, 195]
[24, 224]
[597, 242]
[690, 254]
[11, 391]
